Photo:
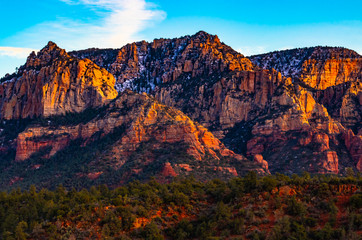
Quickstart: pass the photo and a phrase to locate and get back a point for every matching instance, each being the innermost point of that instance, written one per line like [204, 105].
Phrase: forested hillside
[271, 207]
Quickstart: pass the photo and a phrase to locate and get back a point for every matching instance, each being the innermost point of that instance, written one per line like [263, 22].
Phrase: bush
[152, 232]
[356, 201]
[295, 208]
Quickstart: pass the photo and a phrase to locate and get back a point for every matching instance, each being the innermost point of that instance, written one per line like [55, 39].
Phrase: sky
[250, 27]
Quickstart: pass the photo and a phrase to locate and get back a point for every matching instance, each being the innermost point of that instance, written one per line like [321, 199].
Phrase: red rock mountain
[290, 111]
[134, 136]
[332, 76]
[314, 92]
[198, 74]
[138, 136]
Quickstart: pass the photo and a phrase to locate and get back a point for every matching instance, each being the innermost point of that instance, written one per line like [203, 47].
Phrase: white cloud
[15, 52]
[285, 48]
[120, 23]
[252, 50]
[117, 23]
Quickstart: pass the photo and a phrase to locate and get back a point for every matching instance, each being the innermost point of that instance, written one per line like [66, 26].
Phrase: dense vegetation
[271, 207]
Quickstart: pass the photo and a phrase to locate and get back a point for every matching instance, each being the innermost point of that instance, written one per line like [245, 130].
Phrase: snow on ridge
[288, 62]
[121, 87]
[8, 81]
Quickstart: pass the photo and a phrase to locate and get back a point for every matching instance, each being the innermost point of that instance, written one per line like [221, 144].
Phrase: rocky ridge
[192, 73]
[277, 120]
[317, 67]
[255, 111]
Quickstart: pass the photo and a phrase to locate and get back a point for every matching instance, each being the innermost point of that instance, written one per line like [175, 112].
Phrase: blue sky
[250, 27]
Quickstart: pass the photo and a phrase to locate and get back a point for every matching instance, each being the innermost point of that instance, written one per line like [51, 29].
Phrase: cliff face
[330, 72]
[254, 111]
[53, 83]
[142, 66]
[317, 67]
[331, 83]
[343, 102]
[304, 115]
[331, 78]
[198, 74]
[144, 134]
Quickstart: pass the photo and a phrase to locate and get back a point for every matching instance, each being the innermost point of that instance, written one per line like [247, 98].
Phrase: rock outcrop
[290, 111]
[331, 78]
[353, 143]
[53, 83]
[253, 109]
[198, 74]
[317, 67]
[145, 133]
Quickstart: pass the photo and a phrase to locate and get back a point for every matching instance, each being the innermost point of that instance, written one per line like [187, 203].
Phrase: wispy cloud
[252, 50]
[115, 23]
[15, 52]
[120, 23]
[285, 48]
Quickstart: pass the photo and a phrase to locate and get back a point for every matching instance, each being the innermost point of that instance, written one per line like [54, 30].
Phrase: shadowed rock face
[152, 136]
[53, 83]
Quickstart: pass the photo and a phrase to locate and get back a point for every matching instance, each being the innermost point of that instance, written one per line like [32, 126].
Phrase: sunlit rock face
[331, 79]
[289, 111]
[316, 67]
[53, 83]
[257, 105]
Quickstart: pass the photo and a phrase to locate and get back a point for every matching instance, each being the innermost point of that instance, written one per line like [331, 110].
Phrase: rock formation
[331, 78]
[192, 73]
[253, 110]
[290, 111]
[317, 67]
[145, 133]
[53, 83]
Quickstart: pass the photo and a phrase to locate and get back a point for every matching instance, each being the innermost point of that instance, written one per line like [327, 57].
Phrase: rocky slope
[272, 116]
[141, 138]
[332, 79]
[260, 112]
[198, 74]
[53, 83]
[142, 66]
[332, 75]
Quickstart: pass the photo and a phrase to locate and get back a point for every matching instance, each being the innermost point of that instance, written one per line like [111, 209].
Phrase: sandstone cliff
[198, 74]
[147, 138]
[317, 67]
[52, 83]
[327, 89]
[255, 111]
[299, 110]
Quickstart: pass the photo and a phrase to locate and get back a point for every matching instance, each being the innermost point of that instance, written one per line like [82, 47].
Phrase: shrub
[356, 201]
[295, 208]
